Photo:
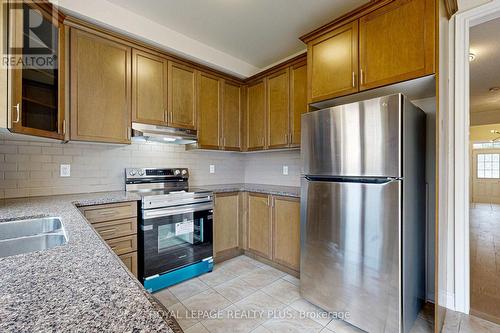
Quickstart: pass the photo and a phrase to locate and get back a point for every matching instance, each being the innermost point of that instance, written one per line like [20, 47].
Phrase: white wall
[267, 167]
[485, 117]
[428, 105]
[129, 23]
[31, 168]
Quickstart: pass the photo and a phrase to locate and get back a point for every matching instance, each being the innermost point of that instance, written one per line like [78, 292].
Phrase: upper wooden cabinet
[100, 88]
[397, 43]
[259, 224]
[333, 63]
[278, 95]
[37, 87]
[298, 100]
[256, 115]
[282, 96]
[149, 88]
[231, 116]
[392, 41]
[182, 96]
[209, 105]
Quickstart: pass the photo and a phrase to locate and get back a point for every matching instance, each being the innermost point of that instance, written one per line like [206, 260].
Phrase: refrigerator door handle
[363, 180]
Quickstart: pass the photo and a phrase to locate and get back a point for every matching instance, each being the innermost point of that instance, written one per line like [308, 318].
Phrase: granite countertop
[78, 287]
[287, 191]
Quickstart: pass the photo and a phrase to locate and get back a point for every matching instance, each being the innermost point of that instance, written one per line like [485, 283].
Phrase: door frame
[461, 161]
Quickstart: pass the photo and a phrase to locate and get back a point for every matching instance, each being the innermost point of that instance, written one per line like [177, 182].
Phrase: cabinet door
[149, 88]
[231, 123]
[100, 89]
[130, 260]
[182, 96]
[397, 43]
[278, 109]
[298, 100]
[226, 227]
[333, 63]
[259, 225]
[256, 111]
[37, 94]
[209, 104]
[286, 232]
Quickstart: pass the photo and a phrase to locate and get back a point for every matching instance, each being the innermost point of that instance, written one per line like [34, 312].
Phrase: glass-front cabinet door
[36, 69]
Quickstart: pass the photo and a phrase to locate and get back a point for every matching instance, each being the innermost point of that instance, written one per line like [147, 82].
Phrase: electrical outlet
[65, 170]
[212, 168]
[285, 170]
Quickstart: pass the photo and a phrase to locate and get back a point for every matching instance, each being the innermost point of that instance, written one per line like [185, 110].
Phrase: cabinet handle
[64, 126]
[268, 201]
[171, 117]
[353, 80]
[107, 212]
[361, 76]
[18, 113]
[224, 141]
[107, 231]
[286, 138]
[129, 133]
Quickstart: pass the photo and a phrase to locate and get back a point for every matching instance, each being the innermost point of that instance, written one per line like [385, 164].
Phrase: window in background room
[488, 166]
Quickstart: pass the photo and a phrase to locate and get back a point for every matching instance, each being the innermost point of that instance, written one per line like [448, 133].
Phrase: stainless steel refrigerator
[363, 212]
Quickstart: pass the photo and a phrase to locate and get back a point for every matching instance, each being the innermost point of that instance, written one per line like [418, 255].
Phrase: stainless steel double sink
[30, 235]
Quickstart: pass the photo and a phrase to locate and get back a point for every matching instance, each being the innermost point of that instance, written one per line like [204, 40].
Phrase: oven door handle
[154, 213]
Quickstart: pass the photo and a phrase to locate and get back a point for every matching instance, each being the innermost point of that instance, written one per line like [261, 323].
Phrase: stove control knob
[141, 172]
[132, 172]
[177, 172]
[184, 172]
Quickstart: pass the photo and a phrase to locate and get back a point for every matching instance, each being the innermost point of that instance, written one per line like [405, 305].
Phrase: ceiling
[258, 32]
[485, 69]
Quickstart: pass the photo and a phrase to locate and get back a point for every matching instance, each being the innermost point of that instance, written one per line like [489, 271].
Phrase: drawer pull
[110, 212]
[107, 231]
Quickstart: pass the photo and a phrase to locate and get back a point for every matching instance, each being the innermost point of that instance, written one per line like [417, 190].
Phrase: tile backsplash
[31, 168]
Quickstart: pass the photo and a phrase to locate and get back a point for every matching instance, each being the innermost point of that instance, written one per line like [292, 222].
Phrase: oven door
[174, 237]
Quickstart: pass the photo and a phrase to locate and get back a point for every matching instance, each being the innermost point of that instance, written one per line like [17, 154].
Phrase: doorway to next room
[484, 182]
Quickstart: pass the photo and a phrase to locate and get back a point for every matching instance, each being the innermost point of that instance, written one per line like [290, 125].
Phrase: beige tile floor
[266, 299]
[485, 261]
[456, 322]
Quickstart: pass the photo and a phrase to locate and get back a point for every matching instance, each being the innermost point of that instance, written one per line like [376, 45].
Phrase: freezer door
[359, 139]
[350, 246]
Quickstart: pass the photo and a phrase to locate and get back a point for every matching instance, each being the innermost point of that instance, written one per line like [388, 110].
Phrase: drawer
[118, 211]
[130, 260]
[117, 228]
[123, 245]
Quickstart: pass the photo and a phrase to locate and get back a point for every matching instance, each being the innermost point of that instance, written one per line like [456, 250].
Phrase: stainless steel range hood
[164, 134]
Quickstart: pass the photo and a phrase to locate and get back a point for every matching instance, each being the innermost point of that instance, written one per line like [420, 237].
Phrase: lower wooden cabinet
[273, 229]
[259, 224]
[226, 223]
[117, 224]
[130, 260]
[286, 232]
